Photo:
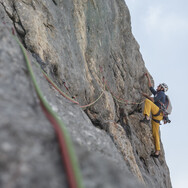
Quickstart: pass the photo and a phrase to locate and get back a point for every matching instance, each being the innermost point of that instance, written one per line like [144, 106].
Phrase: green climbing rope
[62, 126]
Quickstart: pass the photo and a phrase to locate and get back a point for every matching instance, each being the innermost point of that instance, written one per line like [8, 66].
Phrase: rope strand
[67, 152]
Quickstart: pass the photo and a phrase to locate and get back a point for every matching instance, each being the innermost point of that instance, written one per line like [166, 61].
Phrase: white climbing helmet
[164, 86]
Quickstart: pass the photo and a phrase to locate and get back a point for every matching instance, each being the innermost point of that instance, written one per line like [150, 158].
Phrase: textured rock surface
[77, 42]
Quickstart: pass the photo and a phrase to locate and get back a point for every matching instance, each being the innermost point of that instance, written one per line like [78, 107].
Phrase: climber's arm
[147, 96]
[149, 80]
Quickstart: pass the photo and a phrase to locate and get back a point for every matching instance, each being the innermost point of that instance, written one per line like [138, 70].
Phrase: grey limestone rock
[87, 45]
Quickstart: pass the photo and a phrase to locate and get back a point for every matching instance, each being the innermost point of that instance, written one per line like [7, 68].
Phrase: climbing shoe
[154, 155]
[146, 121]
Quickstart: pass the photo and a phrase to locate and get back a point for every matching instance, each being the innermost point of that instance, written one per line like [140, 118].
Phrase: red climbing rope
[67, 97]
[63, 148]
[63, 94]
[67, 152]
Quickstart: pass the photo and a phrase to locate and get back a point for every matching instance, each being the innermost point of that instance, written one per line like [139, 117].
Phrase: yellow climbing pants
[151, 108]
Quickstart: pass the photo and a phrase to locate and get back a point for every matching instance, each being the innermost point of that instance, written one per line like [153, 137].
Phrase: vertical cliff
[87, 48]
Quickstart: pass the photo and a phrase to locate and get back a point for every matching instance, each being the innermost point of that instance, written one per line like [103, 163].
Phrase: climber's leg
[149, 108]
[155, 132]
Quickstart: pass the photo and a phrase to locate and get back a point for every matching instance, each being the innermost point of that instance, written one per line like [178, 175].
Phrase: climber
[153, 105]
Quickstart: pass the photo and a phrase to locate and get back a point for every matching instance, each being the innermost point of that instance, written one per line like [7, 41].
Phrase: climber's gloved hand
[146, 74]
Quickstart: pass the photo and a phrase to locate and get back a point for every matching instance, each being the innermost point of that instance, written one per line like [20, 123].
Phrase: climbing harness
[66, 145]
[157, 121]
[165, 111]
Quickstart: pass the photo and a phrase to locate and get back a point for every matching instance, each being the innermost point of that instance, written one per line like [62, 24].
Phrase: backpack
[168, 105]
[166, 109]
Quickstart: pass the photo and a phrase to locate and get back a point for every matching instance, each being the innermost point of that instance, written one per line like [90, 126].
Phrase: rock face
[87, 46]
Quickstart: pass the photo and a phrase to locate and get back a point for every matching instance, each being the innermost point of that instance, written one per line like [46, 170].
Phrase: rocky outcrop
[87, 45]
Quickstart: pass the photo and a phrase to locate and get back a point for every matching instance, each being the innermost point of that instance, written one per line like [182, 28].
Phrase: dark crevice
[124, 123]
[21, 35]
[117, 65]
[54, 70]
[9, 15]
[49, 26]
[136, 152]
[42, 64]
[85, 95]
[155, 161]
[54, 1]
[55, 74]
[137, 109]
[30, 4]
[97, 122]
[144, 163]
[20, 32]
